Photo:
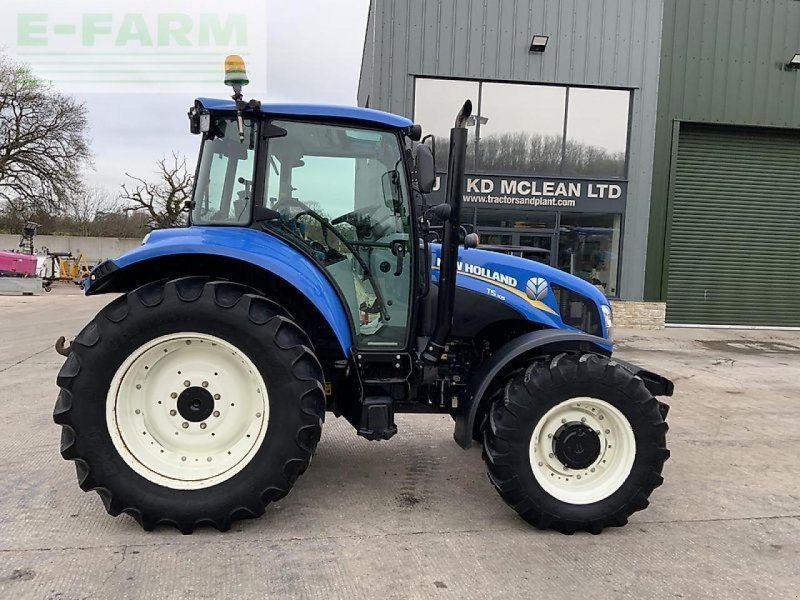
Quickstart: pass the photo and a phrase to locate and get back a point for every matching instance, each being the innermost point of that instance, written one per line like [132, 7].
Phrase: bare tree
[536, 154]
[163, 200]
[83, 208]
[43, 141]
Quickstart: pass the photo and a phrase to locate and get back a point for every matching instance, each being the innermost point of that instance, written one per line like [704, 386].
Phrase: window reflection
[519, 128]
[515, 218]
[522, 128]
[597, 132]
[436, 104]
[589, 248]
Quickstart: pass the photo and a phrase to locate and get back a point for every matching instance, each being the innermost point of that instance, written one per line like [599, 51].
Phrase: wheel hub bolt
[601, 417]
[209, 459]
[187, 383]
[203, 425]
[564, 421]
[258, 415]
[205, 384]
[217, 396]
[138, 386]
[173, 395]
[608, 431]
[183, 458]
[185, 425]
[579, 476]
[583, 419]
[138, 412]
[173, 412]
[216, 413]
[550, 455]
[592, 469]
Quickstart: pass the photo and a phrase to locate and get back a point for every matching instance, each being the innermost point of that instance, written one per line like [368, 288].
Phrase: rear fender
[232, 250]
[546, 341]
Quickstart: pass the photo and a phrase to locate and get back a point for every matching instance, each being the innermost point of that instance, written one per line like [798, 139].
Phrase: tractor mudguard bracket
[655, 383]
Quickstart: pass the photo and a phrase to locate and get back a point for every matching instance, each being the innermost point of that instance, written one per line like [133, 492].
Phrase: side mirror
[392, 191]
[425, 165]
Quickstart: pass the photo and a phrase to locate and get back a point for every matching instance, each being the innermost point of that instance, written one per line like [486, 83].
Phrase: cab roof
[328, 111]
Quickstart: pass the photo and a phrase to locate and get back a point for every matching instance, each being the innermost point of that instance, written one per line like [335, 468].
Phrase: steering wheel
[327, 225]
[360, 219]
[353, 217]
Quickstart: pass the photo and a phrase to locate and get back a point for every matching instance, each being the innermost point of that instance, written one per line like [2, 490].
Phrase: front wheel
[575, 443]
[190, 402]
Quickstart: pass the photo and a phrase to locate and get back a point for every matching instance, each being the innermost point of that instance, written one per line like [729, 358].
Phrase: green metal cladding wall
[721, 62]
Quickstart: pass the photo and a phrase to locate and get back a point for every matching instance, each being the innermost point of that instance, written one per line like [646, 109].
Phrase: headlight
[147, 237]
[608, 318]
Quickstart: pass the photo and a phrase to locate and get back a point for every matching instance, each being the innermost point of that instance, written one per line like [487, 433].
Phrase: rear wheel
[190, 402]
[575, 443]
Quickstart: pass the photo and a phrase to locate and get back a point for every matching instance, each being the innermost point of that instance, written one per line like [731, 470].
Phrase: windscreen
[224, 189]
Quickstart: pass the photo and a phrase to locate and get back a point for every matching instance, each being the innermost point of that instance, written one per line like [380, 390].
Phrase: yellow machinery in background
[66, 267]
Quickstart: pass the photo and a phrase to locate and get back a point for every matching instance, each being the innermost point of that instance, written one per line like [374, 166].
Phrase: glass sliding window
[597, 133]
[522, 128]
[436, 103]
[588, 248]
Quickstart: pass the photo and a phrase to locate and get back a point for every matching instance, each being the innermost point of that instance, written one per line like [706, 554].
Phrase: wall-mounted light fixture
[473, 120]
[539, 43]
[794, 64]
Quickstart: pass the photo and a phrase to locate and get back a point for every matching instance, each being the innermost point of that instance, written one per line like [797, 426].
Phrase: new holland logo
[536, 288]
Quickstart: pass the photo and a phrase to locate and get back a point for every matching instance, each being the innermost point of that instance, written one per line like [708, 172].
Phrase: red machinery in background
[23, 262]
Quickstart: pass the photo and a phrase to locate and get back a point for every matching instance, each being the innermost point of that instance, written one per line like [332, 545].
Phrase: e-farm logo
[133, 30]
[181, 45]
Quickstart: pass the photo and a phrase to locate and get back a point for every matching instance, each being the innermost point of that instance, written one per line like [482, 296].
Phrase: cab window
[341, 193]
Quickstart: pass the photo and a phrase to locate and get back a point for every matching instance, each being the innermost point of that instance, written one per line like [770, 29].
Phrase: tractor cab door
[341, 193]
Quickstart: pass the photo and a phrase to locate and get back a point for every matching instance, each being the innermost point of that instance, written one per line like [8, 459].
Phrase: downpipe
[448, 269]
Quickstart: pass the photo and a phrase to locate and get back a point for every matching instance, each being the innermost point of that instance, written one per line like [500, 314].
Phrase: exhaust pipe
[451, 239]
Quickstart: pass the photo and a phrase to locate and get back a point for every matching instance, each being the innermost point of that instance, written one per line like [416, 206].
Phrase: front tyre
[576, 443]
[190, 402]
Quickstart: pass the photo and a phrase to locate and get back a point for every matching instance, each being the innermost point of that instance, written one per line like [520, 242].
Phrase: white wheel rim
[606, 474]
[151, 395]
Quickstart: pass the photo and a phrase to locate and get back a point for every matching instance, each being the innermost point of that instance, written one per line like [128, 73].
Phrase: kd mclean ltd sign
[584, 195]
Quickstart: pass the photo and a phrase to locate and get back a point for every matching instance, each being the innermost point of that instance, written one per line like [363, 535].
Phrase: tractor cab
[338, 191]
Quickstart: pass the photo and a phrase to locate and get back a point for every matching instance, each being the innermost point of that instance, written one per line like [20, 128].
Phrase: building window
[597, 133]
[436, 103]
[588, 247]
[524, 130]
[518, 129]
[521, 128]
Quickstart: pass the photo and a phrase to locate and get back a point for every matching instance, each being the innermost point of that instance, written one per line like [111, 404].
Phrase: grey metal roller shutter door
[734, 235]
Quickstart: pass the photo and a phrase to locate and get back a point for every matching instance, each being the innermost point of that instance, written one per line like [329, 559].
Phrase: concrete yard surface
[416, 517]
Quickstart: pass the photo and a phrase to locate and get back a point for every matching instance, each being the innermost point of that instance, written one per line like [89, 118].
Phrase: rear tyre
[190, 402]
[576, 443]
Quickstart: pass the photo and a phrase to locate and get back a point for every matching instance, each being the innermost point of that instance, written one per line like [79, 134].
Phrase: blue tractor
[313, 277]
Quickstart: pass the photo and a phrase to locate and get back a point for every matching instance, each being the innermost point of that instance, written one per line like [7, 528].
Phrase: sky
[138, 66]
[298, 51]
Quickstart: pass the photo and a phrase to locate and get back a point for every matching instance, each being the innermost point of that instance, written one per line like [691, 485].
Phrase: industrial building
[650, 147]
